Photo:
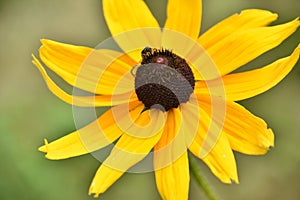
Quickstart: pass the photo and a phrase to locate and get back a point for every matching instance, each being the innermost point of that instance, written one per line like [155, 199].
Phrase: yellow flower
[200, 113]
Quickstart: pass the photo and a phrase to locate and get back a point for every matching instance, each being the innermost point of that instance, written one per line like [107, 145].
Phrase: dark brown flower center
[164, 80]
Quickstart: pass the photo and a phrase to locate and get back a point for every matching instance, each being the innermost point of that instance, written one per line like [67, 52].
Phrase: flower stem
[202, 182]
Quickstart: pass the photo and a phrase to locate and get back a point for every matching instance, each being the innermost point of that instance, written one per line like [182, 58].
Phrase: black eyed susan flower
[171, 91]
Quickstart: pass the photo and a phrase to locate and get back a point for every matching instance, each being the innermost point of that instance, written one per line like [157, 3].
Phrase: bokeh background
[29, 112]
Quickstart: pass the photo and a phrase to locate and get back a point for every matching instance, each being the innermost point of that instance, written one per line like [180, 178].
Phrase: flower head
[171, 91]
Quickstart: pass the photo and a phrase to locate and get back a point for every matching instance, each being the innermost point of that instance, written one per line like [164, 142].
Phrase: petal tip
[273, 16]
[92, 191]
[271, 138]
[44, 148]
[296, 22]
[234, 181]
[34, 59]
[44, 41]
[36, 62]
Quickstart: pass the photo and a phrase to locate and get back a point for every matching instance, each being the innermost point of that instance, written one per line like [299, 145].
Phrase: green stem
[202, 182]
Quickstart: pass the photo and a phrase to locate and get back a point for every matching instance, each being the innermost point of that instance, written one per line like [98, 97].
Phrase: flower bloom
[170, 90]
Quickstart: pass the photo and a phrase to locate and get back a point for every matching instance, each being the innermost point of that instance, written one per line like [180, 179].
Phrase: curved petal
[171, 145]
[247, 133]
[221, 161]
[184, 17]
[247, 19]
[199, 122]
[241, 47]
[170, 159]
[173, 181]
[123, 16]
[104, 178]
[220, 158]
[86, 101]
[92, 137]
[244, 85]
[149, 123]
[95, 71]
[127, 152]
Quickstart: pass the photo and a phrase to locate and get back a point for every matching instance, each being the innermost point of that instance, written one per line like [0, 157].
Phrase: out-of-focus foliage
[29, 112]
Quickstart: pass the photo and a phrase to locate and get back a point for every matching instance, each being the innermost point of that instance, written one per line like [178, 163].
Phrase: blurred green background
[30, 113]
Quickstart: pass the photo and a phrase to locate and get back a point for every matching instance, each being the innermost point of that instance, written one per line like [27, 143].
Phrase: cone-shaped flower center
[164, 80]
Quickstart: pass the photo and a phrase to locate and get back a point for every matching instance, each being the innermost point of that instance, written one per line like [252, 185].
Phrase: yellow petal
[89, 101]
[244, 85]
[128, 22]
[94, 136]
[171, 145]
[221, 161]
[247, 19]
[173, 181]
[246, 133]
[130, 149]
[104, 178]
[122, 16]
[199, 123]
[127, 152]
[219, 156]
[241, 47]
[184, 17]
[170, 159]
[95, 71]
[148, 124]
[170, 130]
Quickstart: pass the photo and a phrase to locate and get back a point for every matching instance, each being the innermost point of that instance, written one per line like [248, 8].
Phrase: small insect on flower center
[163, 80]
